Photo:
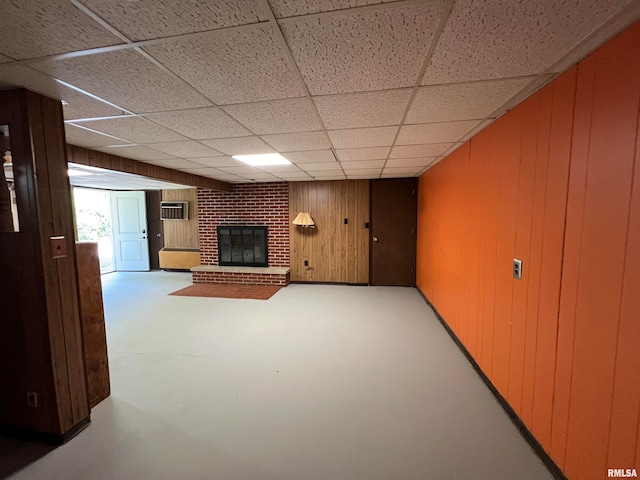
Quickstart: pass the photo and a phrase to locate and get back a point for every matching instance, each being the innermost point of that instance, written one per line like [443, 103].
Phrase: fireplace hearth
[242, 245]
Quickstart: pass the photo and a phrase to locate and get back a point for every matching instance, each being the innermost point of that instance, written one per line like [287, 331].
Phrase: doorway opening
[93, 223]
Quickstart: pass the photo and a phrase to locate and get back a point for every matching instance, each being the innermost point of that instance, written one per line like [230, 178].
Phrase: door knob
[158, 235]
[375, 239]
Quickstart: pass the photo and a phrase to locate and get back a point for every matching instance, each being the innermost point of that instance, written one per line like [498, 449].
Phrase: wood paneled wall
[182, 233]
[93, 158]
[335, 251]
[556, 183]
[40, 333]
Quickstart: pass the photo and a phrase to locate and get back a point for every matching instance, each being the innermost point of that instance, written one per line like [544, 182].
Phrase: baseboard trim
[517, 421]
[44, 437]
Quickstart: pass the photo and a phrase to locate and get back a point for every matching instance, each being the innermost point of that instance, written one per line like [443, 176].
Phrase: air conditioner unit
[174, 210]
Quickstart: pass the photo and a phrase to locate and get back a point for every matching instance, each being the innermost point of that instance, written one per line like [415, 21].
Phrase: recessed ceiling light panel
[263, 160]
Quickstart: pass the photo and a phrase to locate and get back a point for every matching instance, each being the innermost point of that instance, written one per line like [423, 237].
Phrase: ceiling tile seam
[350, 10]
[283, 43]
[483, 80]
[132, 44]
[124, 142]
[101, 21]
[432, 46]
[161, 66]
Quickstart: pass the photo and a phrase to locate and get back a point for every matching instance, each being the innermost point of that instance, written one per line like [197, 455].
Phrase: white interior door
[130, 239]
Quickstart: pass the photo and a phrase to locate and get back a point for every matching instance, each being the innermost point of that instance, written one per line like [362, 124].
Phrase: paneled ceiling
[342, 88]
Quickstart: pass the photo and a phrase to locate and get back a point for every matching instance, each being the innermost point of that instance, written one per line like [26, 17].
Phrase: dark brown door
[393, 231]
[154, 225]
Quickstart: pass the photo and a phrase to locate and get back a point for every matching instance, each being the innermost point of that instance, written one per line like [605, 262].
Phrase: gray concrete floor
[319, 382]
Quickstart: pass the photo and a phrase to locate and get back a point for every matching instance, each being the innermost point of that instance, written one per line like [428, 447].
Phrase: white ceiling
[390, 86]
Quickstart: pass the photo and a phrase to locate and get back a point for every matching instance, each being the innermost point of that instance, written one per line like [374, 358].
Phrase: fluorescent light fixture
[263, 159]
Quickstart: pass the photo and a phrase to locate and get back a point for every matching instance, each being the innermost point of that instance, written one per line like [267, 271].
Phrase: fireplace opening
[242, 246]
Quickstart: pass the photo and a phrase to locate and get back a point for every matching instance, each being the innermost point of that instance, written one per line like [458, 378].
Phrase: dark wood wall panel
[42, 331]
[335, 251]
[94, 158]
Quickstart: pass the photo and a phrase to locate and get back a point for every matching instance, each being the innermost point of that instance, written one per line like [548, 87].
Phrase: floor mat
[254, 292]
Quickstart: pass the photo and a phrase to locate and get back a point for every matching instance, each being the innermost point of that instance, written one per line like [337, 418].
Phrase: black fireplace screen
[242, 246]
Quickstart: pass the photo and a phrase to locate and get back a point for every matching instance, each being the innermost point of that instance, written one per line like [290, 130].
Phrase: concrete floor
[319, 382]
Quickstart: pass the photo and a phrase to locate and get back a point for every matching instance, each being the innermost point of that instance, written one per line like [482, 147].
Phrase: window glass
[8, 205]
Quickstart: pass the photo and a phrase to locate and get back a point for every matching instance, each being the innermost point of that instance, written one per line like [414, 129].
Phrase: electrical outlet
[517, 269]
[32, 399]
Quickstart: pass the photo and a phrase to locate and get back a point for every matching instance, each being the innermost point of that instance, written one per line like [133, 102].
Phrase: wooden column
[42, 376]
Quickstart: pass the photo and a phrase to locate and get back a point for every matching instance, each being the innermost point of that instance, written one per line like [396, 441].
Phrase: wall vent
[174, 210]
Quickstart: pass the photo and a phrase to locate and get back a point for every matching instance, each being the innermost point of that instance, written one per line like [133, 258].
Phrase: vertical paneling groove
[336, 252]
[562, 344]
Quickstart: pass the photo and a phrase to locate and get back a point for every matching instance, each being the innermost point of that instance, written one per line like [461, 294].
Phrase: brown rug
[254, 292]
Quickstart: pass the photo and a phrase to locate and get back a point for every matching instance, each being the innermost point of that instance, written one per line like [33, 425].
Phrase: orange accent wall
[555, 183]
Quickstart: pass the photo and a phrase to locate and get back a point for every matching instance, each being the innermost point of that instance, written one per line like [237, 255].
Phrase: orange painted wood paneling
[524, 214]
[611, 155]
[556, 183]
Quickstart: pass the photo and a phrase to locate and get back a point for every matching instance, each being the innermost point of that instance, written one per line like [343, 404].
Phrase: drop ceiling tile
[360, 51]
[363, 137]
[277, 169]
[322, 166]
[239, 145]
[434, 132]
[297, 142]
[397, 175]
[409, 162]
[136, 152]
[126, 79]
[322, 178]
[362, 164]
[294, 8]
[293, 175]
[363, 171]
[276, 116]
[174, 163]
[363, 177]
[411, 151]
[240, 170]
[32, 28]
[401, 170]
[147, 19]
[259, 176]
[486, 39]
[466, 101]
[134, 129]
[200, 123]
[374, 153]
[79, 104]
[216, 162]
[232, 67]
[367, 109]
[313, 156]
[599, 37]
[86, 138]
[185, 149]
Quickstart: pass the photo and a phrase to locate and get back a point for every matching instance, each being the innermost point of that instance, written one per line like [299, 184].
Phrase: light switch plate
[58, 247]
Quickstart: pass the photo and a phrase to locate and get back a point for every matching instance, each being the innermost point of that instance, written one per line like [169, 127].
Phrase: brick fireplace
[248, 204]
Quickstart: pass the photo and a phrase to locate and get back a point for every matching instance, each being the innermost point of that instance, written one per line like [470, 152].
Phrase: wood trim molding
[93, 158]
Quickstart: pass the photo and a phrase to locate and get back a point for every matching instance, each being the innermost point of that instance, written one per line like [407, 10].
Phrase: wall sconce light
[304, 220]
